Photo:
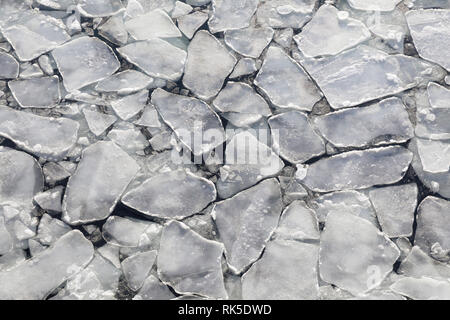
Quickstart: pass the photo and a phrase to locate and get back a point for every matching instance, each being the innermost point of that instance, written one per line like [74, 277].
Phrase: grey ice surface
[224, 149]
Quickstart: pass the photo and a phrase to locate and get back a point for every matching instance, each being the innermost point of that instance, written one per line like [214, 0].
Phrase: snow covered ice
[224, 149]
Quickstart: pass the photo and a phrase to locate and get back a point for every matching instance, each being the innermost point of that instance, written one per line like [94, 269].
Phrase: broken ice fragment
[33, 34]
[129, 232]
[153, 289]
[149, 118]
[50, 200]
[246, 221]
[129, 106]
[190, 263]
[249, 42]
[36, 92]
[381, 123]
[128, 137]
[83, 61]
[50, 138]
[20, 177]
[99, 8]
[125, 82]
[285, 82]
[285, 13]
[247, 161]
[298, 222]
[395, 207]
[418, 264]
[137, 267]
[244, 67]
[294, 138]
[189, 117]
[175, 195]
[432, 221]
[180, 9]
[50, 230]
[231, 14]
[433, 119]
[286, 271]
[431, 34]
[37, 277]
[97, 121]
[190, 23]
[374, 5]
[9, 67]
[156, 57]
[238, 97]
[154, 24]
[114, 30]
[423, 288]
[366, 74]
[6, 241]
[354, 255]
[329, 34]
[358, 169]
[203, 75]
[101, 177]
[434, 155]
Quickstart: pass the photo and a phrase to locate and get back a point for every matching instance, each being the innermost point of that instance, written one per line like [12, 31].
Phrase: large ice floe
[224, 149]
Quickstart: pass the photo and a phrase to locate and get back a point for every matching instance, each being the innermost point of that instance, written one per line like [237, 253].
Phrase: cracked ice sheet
[231, 14]
[246, 222]
[101, 177]
[173, 195]
[430, 30]
[30, 279]
[363, 74]
[50, 138]
[357, 169]
[190, 263]
[352, 250]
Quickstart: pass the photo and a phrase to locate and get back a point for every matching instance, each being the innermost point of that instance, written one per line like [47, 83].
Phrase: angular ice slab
[153, 289]
[204, 76]
[430, 30]
[374, 5]
[247, 161]
[125, 82]
[131, 233]
[137, 267]
[285, 82]
[239, 98]
[231, 14]
[298, 222]
[285, 13]
[381, 123]
[434, 155]
[362, 74]
[97, 121]
[36, 92]
[352, 202]
[101, 177]
[423, 288]
[83, 61]
[9, 67]
[358, 169]
[50, 138]
[154, 24]
[33, 34]
[354, 255]
[20, 178]
[190, 23]
[246, 221]
[173, 195]
[37, 277]
[129, 106]
[286, 271]
[188, 118]
[190, 263]
[433, 219]
[433, 119]
[330, 32]
[249, 42]
[294, 138]
[156, 57]
[395, 207]
[99, 8]
[419, 264]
